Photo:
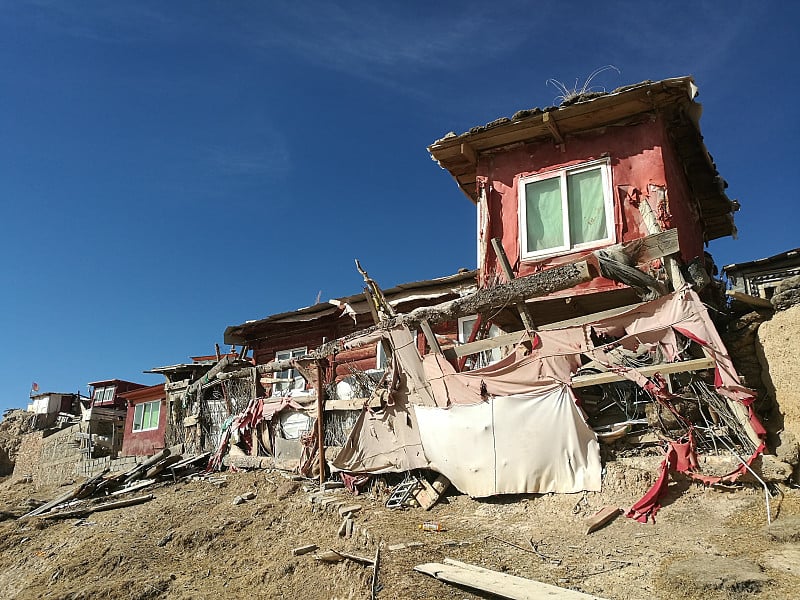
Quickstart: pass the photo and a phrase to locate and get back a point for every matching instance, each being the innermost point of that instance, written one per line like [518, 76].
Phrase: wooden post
[524, 313]
[320, 423]
[430, 336]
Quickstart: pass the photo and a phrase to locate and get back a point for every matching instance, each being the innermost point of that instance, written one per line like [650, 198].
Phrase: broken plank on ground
[601, 517]
[499, 584]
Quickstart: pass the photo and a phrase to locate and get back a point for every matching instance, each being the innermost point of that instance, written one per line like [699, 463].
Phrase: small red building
[145, 422]
[108, 392]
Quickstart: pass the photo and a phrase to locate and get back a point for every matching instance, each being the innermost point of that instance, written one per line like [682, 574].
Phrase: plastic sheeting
[507, 445]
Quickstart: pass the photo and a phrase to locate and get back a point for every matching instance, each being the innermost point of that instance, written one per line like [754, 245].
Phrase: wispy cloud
[96, 20]
[383, 42]
[232, 160]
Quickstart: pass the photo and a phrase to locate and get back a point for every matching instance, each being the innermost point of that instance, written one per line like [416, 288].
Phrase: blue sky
[171, 168]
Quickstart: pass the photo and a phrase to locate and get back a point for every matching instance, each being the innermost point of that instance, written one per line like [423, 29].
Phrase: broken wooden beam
[753, 301]
[484, 300]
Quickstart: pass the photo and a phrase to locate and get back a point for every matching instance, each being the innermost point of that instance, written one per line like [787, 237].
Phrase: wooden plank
[649, 247]
[497, 583]
[469, 154]
[430, 336]
[601, 517]
[751, 300]
[549, 120]
[698, 364]
[592, 318]
[505, 339]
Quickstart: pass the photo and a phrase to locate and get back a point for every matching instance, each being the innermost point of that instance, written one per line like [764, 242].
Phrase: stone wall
[29, 457]
[95, 466]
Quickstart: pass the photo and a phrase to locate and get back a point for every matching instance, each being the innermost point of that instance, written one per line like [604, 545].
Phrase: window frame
[103, 394]
[283, 389]
[604, 165]
[153, 405]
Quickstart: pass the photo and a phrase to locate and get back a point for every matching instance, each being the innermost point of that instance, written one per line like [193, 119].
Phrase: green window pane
[587, 211]
[138, 413]
[544, 214]
[152, 422]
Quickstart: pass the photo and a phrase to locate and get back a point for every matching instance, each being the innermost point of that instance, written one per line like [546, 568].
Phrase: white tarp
[525, 443]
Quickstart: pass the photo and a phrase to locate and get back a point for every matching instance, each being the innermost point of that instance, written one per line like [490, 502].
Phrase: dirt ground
[191, 541]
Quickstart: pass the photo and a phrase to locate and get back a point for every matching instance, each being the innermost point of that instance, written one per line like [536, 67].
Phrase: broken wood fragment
[753, 301]
[428, 494]
[602, 517]
[375, 565]
[304, 549]
[82, 512]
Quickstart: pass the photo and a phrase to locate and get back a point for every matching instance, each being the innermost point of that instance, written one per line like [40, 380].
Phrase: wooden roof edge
[679, 89]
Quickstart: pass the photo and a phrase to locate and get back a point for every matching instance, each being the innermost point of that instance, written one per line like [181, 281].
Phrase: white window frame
[562, 173]
[299, 383]
[103, 394]
[147, 408]
[487, 357]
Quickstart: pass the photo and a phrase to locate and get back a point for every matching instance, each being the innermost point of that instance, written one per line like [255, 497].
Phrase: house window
[482, 359]
[145, 415]
[294, 381]
[104, 394]
[564, 210]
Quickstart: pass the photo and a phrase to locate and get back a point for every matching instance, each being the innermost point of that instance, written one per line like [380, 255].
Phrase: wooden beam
[484, 300]
[430, 336]
[754, 301]
[502, 258]
[505, 339]
[592, 318]
[321, 421]
[697, 364]
[468, 152]
[650, 247]
[549, 120]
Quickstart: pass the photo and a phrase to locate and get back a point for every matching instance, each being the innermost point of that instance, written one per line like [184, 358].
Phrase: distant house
[108, 393]
[105, 416]
[47, 406]
[760, 277]
[145, 421]
[197, 430]
[599, 173]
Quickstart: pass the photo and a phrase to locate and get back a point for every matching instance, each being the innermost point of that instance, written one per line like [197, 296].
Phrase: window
[104, 394]
[567, 209]
[297, 382]
[145, 415]
[482, 359]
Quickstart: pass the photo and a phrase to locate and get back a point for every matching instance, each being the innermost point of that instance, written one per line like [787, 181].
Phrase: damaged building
[588, 325]
[583, 333]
